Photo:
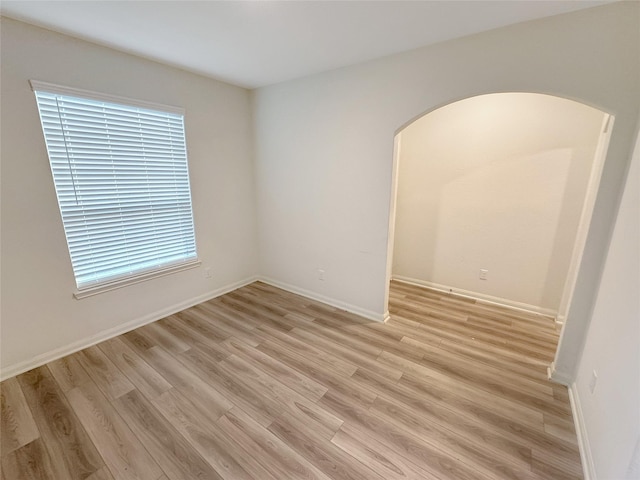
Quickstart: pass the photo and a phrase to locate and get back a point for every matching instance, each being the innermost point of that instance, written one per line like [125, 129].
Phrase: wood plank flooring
[263, 384]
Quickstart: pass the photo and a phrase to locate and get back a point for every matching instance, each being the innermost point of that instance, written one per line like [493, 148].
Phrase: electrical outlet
[321, 275]
[207, 272]
[483, 274]
[593, 382]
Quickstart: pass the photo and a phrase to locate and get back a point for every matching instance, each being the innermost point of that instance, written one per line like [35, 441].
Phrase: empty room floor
[264, 384]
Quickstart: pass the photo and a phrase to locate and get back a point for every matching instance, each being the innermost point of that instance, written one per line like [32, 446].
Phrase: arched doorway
[493, 196]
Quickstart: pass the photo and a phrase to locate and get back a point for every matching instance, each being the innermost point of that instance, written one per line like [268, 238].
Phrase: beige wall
[324, 146]
[495, 182]
[609, 417]
[40, 318]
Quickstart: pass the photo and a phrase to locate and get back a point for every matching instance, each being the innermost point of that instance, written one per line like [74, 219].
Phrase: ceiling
[258, 43]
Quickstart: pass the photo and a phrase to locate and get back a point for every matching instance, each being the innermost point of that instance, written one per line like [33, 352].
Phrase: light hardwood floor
[263, 384]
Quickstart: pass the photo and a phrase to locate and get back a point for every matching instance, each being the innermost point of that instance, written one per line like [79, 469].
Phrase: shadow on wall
[496, 182]
[514, 226]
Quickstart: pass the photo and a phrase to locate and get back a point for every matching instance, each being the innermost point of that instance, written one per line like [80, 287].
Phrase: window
[122, 182]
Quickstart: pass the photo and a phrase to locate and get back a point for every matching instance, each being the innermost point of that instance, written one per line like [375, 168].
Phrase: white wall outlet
[483, 274]
[593, 382]
[207, 272]
[321, 274]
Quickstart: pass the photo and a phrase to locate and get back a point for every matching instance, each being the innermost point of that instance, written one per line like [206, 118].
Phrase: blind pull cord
[66, 148]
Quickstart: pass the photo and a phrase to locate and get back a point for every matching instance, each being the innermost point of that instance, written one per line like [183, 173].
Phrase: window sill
[107, 287]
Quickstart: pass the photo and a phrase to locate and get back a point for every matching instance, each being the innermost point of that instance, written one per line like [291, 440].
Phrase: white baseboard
[502, 302]
[368, 314]
[559, 377]
[588, 467]
[21, 367]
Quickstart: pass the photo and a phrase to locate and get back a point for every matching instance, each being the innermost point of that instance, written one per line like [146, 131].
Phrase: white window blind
[122, 182]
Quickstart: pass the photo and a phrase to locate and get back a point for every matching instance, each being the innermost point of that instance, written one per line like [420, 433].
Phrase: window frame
[142, 274]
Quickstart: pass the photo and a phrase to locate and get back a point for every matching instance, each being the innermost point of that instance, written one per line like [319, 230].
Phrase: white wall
[495, 182]
[39, 314]
[324, 145]
[610, 416]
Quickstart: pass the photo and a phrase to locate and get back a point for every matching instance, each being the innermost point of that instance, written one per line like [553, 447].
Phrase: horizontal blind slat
[112, 243]
[128, 271]
[147, 258]
[135, 253]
